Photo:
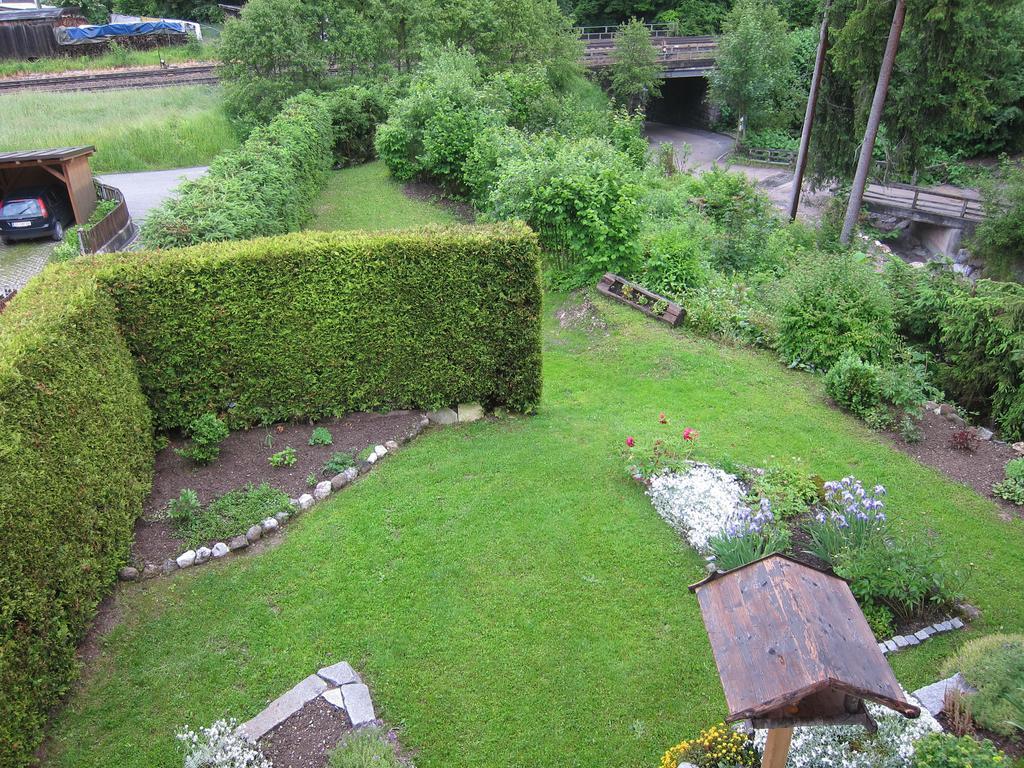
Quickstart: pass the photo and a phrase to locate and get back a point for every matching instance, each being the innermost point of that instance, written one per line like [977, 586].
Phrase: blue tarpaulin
[72, 35]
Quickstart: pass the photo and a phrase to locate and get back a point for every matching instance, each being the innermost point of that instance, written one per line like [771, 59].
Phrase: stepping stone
[933, 697]
[358, 704]
[339, 674]
[283, 707]
[333, 697]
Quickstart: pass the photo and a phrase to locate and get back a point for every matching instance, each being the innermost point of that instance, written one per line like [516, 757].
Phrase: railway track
[186, 74]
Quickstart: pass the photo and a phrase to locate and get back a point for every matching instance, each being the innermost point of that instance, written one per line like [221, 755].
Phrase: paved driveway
[705, 146]
[145, 190]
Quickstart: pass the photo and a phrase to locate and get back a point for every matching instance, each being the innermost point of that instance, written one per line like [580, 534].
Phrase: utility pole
[812, 105]
[867, 148]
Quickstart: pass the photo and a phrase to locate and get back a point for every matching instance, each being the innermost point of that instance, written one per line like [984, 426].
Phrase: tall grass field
[113, 59]
[141, 129]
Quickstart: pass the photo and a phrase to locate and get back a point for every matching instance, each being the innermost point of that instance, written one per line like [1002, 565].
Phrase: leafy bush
[205, 434]
[731, 310]
[1011, 487]
[904, 575]
[232, 514]
[716, 746]
[365, 748]
[185, 507]
[831, 305]
[982, 345]
[943, 750]
[259, 337]
[583, 200]
[855, 385]
[995, 666]
[674, 255]
[265, 187]
[285, 458]
[76, 458]
[355, 114]
[788, 487]
[880, 619]
[999, 238]
[485, 162]
[338, 463]
[321, 436]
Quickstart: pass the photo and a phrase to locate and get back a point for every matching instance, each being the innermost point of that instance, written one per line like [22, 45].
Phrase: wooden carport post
[793, 648]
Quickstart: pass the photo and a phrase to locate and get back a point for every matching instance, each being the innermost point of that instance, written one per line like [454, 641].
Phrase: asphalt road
[145, 190]
[705, 146]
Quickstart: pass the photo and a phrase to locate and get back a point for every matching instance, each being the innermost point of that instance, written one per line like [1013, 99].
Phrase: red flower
[630, 442]
[690, 434]
[662, 419]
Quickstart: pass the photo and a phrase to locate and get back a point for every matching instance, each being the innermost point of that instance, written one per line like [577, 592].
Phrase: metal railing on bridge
[608, 32]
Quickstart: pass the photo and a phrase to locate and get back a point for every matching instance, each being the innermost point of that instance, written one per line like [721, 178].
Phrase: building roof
[792, 646]
[41, 156]
[7, 13]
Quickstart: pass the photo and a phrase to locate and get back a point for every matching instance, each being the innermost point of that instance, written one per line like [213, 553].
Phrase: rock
[239, 542]
[283, 707]
[968, 611]
[1018, 447]
[203, 554]
[947, 410]
[917, 264]
[128, 573]
[333, 697]
[339, 674]
[351, 473]
[254, 534]
[294, 503]
[220, 549]
[984, 433]
[933, 697]
[282, 518]
[150, 570]
[372, 458]
[930, 405]
[380, 450]
[358, 704]
[956, 420]
[305, 501]
[470, 412]
[322, 490]
[364, 467]
[444, 416]
[391, 445]
[424, 421]
[901, 641]
[339, 481]
[270, 524]
[169, 566]
[186, 558]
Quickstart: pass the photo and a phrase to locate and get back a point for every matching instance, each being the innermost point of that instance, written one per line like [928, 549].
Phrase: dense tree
[191, 10]
[958, 83]
[753, 72]
[635, 72]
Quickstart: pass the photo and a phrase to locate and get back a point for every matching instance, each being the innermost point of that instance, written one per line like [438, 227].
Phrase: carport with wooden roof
[41, 167]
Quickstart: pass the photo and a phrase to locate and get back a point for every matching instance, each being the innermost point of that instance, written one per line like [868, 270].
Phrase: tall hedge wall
[317, 324]
[75, 464]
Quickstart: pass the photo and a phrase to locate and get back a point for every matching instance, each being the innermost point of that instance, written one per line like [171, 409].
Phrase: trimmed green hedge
[319, 324]
[75, 465]
[265, 187]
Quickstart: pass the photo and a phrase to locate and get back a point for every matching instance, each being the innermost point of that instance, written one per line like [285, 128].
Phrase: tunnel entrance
[682, 102]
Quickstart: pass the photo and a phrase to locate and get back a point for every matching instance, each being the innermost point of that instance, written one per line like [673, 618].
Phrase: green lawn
[510, 596]
[366, 197]
[133, 130]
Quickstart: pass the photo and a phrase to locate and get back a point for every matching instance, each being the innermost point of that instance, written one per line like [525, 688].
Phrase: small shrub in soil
[206, 434]
[942, 750]
[964, 440]
[285, 458]
[1012, 487]
[321, 436]
[789, 488]
[338, 463]
[233, 513]
[880, 619]
[995, 666]
[184, 508]
[366, 748]
[311, 479]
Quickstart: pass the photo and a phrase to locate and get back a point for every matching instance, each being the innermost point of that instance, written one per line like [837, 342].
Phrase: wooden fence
[99, 235]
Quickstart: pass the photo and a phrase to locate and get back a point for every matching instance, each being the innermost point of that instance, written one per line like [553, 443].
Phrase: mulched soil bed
[431, 193]
[978, 469]
[306, 738]
[244, 460]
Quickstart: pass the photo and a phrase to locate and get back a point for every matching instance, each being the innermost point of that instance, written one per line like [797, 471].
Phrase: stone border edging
[339, 685]
[933, 697]
[465, 412]
[899, 642]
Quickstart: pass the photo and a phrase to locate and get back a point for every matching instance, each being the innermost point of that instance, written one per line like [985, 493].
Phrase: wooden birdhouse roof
[793, 647]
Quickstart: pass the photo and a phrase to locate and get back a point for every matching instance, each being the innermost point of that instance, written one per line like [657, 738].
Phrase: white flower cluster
[221, 746]
[700, 503]
[851, 746]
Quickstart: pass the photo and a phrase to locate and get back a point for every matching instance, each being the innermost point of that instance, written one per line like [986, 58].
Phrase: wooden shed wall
[32, 38]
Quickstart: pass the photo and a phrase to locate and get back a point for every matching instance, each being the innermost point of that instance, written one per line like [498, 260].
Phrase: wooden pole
[812, 105]
[867, 148]
[776, 749]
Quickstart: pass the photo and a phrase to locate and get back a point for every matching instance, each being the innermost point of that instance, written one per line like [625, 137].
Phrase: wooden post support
[776, 749]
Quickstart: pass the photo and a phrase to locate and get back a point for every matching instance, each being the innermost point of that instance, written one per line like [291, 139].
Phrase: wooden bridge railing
[909, 199]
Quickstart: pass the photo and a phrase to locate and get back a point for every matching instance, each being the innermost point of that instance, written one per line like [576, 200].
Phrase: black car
[35, 212]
